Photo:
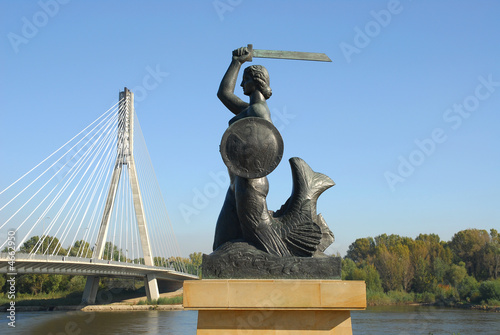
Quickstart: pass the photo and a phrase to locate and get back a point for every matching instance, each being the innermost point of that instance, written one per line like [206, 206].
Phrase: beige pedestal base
[274, 306]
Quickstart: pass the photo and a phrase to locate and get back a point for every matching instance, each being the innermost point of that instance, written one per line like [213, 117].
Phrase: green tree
[158, 261]
[43, 245]
[391, 241]
[468, 289]
[492, 254]
[490, 290]
[348, 267]
[366, 272]
[361, 250]
[31, 283]
[113, 253]
[80, 248]
[440, 268]
[2, 282]
[423, 278]
[372, 278]
[38, 283]
[469, 247]
[76, 283]
[456, 274]
[388, 267]
[196, 258]
[436, 248]
[393, 261]
[405, 266]
[54, 283]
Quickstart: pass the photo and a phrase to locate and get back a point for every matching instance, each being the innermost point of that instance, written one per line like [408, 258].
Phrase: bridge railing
[24, 257]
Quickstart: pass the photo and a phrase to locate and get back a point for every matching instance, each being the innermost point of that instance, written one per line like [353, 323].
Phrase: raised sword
[312, 56]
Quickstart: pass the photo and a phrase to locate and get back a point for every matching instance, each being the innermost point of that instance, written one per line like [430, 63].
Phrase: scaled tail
[304, 230]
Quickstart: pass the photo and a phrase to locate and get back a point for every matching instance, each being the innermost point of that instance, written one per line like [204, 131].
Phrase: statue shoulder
[260, 110]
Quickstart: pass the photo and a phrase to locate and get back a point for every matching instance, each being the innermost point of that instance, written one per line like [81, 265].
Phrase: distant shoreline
[98, 308]
[178, 307]
[459, 306]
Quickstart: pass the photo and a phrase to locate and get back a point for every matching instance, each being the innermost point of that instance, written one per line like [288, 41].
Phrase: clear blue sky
[405, 119]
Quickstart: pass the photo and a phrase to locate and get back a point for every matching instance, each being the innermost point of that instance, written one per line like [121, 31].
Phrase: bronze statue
[251, 149]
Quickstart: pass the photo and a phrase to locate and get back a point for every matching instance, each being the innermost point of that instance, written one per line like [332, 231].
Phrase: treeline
[50, 283]
[426, 269]
[395, 268]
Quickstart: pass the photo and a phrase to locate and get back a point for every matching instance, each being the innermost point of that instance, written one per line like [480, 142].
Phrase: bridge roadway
[76, 266]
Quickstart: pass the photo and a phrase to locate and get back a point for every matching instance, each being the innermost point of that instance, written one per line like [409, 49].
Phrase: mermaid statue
[250, 240]
[251, 150]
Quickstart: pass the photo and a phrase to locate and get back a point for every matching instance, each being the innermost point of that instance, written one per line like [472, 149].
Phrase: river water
[375, 320]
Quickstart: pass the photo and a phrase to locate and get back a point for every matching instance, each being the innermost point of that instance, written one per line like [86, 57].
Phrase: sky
[404, 119]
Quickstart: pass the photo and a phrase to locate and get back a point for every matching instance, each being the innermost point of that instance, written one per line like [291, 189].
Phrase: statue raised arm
[255, 84]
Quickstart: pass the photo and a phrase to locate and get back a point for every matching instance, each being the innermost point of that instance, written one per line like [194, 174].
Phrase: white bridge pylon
[95, 200]
[125, 156]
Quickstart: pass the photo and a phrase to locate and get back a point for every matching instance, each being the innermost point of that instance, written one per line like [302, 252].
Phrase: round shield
[251, 147]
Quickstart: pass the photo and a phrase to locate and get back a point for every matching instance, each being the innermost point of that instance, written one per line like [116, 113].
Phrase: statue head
[260, 77]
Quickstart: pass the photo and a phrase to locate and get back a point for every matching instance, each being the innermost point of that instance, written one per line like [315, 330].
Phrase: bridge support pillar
[151, 285]
[90, 291]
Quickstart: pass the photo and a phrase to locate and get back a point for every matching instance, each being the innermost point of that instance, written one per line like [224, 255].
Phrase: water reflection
[426, 320]
[385, 320]
[97, 323]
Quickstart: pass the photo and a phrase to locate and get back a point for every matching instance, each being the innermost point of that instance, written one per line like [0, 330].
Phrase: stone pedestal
[278, 307]
[241, 260]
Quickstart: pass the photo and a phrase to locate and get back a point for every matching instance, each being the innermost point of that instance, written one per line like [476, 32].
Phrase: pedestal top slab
[242, 294]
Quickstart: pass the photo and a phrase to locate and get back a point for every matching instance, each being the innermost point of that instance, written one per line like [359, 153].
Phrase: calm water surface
[375, 320]
[424, 320]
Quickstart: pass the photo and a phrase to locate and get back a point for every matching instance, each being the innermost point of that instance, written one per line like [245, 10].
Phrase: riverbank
[401, 298]
[475, 307]
[139, 303]
[136, 303]
[460, 305]
[456, 305]
[98, 308]
[121, 307]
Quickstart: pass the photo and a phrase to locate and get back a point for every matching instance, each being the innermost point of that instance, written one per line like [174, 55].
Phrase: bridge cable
[58, 149]
[50, 179]
[79, 165]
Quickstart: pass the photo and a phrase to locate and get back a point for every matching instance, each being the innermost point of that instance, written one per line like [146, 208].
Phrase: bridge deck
[25, 263]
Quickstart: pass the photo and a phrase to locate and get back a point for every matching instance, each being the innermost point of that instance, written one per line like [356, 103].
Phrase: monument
[265, 261]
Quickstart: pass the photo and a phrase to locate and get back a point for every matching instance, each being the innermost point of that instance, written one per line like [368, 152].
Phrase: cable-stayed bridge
[93, 207]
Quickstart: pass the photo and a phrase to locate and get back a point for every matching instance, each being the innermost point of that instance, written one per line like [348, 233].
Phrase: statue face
[248, 84]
